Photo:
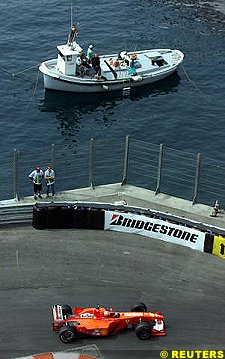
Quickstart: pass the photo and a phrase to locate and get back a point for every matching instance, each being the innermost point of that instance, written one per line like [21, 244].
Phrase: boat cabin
[68, 54]
[67, 58]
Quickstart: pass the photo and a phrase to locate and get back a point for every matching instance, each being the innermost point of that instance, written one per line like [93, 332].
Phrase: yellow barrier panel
[219, 246]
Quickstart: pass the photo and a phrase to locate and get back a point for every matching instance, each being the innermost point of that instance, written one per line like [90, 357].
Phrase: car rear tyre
[66, 309]
[143, 330]
[66, 334]
[139, 307]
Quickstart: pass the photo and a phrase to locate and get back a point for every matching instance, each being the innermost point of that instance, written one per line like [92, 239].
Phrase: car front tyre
[143, 330]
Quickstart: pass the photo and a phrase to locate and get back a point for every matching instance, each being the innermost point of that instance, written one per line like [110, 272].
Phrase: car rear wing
[57, 312]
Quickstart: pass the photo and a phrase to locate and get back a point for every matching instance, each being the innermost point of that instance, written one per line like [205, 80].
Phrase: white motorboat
[72, 71]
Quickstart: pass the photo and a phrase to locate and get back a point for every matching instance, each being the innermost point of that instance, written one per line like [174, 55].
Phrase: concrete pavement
[86, 268]
[132, 196]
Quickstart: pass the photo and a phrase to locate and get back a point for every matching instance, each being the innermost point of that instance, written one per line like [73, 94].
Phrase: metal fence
[104, 161]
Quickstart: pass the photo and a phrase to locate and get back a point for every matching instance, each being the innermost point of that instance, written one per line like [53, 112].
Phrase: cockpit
[111, 314]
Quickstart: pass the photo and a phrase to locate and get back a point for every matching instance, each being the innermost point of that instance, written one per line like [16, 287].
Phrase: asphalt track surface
[85, 268]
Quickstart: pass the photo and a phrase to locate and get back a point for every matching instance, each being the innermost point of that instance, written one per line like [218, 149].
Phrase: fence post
[91, 157]
[125, 161]
[197, 178]
[53, 155]
[15, 175]
[160, 164]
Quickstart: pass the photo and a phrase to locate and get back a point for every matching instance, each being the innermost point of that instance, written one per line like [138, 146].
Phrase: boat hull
[58, 84]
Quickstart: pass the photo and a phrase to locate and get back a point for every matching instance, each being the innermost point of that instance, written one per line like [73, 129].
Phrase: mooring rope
[32, 96]
[29, 68]
[7, 72]
[189, 79]
[194, 84]
[20, 72]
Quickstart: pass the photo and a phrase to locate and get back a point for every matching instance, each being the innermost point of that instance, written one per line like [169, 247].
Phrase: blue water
[185, 112]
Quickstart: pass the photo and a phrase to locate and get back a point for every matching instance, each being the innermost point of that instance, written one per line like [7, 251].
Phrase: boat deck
[146, 63]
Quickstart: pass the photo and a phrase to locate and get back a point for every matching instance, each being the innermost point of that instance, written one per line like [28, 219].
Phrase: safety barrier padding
[60, 217]
[208, 245]
[96, 219]
[86, 216]
[67, 216]
[81, 218]
[39, 217]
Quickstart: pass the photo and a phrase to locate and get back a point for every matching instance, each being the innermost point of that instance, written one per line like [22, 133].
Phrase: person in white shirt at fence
[36, 177]
[50, 180]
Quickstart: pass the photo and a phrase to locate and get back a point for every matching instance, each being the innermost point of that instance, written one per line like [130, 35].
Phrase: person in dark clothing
[96, 64]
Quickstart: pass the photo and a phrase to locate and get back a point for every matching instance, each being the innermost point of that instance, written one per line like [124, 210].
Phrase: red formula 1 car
[72, 323]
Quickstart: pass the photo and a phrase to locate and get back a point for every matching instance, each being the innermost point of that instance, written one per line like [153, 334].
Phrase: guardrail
[16, 215]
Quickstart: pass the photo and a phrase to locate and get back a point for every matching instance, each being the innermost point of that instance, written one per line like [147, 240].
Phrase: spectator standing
[36, 177]
[50, 180]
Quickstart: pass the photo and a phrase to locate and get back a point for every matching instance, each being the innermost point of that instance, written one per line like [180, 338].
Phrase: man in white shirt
[36, 177]
[50, 180]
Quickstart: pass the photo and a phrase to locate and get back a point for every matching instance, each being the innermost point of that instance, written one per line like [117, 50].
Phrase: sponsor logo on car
[87, 315]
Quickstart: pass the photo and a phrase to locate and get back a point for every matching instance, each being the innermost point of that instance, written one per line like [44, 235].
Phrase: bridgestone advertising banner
[154, 228]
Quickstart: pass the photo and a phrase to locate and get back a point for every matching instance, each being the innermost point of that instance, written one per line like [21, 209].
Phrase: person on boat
[111, 62]
[79, 68]
[84, 61]
[90, 53]
[73, 35]
[119, 57]
[96, 64]
[114, 64]
[78, 61]
[131, 71]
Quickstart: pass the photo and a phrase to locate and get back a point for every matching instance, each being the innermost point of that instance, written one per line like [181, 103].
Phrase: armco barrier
[91, 217]
[67, 216]
[209, 240]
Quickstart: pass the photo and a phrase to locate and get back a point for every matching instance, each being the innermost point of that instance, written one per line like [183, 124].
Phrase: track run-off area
[85, 268]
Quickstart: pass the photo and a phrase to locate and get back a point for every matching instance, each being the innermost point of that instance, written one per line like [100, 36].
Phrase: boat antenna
[71, 15]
